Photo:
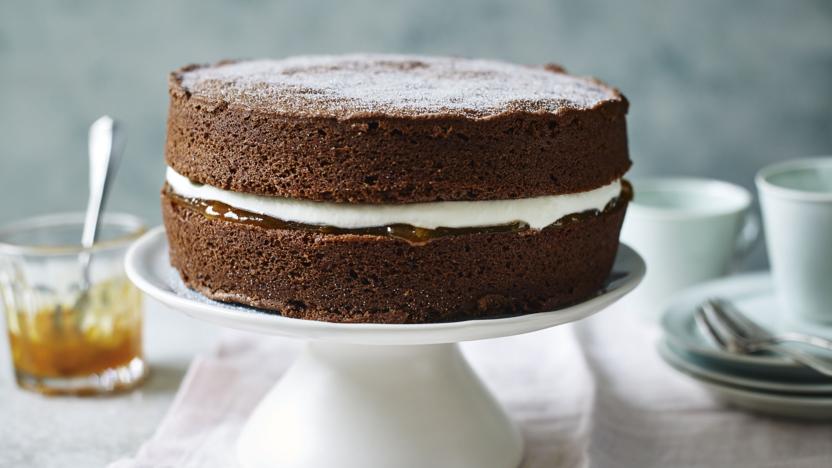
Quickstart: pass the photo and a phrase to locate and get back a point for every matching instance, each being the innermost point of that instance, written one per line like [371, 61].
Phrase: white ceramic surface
[753, 293]
[362, 406]
[373, 395]
[796, 198]
[702, 369]
[777, 404]
[688, 231]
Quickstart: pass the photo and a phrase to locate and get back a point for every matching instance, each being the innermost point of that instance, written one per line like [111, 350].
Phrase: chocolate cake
[393, 189]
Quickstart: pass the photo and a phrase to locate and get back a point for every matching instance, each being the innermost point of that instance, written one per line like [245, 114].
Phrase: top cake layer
[394, 129]
[394, 86]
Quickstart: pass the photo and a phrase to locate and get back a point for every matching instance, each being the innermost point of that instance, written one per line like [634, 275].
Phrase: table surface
[38, 431]
[640, 406]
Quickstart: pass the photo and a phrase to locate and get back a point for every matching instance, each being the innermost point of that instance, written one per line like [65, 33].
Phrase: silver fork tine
[707, 329]
[747, 327]
[727, 331]
[718, 313]
[756, 332]
[722, 330]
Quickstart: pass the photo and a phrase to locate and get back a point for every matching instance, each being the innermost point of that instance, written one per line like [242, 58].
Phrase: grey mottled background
[717, 88]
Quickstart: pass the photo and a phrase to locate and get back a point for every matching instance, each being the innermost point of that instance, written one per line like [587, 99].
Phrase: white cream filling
[537, 212]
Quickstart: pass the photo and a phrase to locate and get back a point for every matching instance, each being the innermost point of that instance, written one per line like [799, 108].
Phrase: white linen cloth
[591, 394]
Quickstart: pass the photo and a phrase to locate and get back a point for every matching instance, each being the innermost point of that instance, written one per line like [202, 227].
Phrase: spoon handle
[106, 145]
[820, 365]
[810, 340]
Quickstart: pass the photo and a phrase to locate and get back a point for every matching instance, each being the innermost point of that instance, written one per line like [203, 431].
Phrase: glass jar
[65, 338]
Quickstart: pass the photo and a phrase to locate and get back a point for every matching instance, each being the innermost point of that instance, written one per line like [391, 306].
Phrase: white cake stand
[373, 395]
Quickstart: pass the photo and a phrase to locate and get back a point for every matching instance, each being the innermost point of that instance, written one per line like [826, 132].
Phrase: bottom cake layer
[369, 278]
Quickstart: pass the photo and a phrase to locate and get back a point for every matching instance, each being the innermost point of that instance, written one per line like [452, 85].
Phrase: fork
[725, 333]
[753, 331]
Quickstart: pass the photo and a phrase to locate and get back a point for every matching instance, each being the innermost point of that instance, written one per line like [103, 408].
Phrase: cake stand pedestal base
[359, 406]
[368, 395]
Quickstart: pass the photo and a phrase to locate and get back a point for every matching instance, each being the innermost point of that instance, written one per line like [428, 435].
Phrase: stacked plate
[761, 382]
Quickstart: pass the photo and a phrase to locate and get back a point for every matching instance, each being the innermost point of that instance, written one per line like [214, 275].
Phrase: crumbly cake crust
[394, 129]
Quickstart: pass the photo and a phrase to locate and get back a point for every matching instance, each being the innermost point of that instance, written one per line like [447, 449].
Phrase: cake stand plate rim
[146, 261]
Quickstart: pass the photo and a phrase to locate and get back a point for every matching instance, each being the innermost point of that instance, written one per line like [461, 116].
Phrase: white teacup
[688, 231]
[796, 197]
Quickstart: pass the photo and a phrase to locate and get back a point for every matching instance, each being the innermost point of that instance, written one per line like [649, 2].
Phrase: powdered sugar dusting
[182, 290]
[396, 85]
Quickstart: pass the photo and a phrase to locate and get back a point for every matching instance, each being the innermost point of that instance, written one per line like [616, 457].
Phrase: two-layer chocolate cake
[393, 189]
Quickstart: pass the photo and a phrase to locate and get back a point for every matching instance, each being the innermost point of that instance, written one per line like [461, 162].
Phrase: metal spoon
[106, 146]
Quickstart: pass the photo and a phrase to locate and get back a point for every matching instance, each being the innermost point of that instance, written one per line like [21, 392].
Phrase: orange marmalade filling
[217, 210]
[61, 340]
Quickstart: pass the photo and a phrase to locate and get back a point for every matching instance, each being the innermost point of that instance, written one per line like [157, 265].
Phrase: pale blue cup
[796, 199]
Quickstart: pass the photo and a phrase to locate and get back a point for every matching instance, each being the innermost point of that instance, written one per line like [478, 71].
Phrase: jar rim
[132, 225]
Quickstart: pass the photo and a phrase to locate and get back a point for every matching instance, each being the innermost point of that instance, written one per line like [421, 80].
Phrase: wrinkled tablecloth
[590, 394]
